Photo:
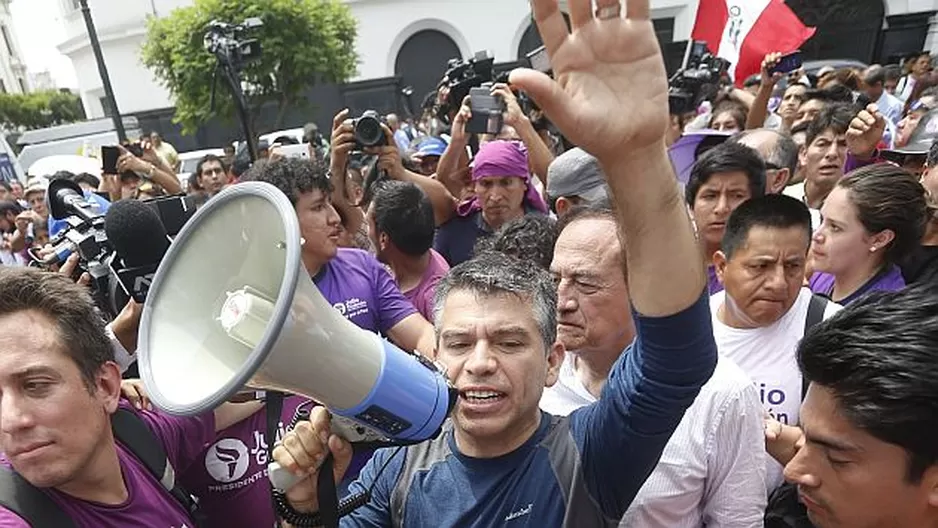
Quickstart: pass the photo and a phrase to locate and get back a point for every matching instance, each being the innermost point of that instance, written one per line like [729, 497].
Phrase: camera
[697, 81]
[228, 42]
[368, 131]
[461, 76]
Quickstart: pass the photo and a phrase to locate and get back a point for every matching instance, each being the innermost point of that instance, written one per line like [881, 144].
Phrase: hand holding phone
[109, 156]
[788, 63]
[487, 112]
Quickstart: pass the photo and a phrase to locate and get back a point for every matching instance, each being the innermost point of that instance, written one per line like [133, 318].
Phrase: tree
[39, 109]
[302, 41]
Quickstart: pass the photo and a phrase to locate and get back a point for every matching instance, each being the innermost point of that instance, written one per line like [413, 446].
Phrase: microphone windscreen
[136, 233]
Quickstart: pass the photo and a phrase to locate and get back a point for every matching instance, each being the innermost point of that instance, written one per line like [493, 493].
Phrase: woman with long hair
[872, 220]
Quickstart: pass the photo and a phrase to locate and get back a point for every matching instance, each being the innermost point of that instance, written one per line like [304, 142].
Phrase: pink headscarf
[504, 159]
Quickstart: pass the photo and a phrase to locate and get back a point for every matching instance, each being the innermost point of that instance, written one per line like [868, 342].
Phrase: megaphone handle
[280, 477]
[328, 495]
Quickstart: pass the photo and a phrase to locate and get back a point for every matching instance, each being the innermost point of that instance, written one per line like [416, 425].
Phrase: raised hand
[770, 61]
[865, 132]
[610, 95]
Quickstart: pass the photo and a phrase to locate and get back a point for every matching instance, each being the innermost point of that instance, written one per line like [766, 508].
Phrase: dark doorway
[421, 62]
[846, 29]
[531, 39]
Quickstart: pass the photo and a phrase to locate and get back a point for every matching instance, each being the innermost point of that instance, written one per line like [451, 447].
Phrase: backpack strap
[36, 508]
[137, 437]
[29, 502]
[816, 309]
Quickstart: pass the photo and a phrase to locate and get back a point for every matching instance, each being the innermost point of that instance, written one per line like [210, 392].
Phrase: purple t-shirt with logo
[148, 503]
[362, 290]
[890, 279]
[422, 295]
[230, 477]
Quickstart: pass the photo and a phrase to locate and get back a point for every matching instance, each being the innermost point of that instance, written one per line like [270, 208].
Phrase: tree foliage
[39, 109]
[303, 41]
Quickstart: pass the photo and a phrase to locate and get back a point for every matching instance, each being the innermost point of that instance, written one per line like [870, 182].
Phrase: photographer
[455, 159]
[132, 170]
[389, 163]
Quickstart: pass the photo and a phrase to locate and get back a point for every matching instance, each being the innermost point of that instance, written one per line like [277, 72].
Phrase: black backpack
[39, 510]
[784, 510]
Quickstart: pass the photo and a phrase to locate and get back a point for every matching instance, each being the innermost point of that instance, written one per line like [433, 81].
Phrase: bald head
[874, 78]
[779, 152]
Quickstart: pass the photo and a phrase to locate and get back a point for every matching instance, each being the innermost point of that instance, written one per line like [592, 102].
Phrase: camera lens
[368, 131]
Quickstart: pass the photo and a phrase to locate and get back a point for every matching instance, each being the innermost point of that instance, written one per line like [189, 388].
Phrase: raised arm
[611, 98]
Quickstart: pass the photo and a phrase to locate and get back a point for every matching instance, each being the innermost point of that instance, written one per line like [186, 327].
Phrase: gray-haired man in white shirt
[711, 472]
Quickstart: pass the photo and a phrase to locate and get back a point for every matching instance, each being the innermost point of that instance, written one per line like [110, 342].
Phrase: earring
[873, 249]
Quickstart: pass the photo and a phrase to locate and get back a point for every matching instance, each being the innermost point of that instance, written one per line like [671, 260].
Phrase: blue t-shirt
[581, 470]
[99, 204]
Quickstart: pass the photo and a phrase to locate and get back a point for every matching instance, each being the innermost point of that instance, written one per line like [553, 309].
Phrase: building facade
[13, 76]
[413, 39]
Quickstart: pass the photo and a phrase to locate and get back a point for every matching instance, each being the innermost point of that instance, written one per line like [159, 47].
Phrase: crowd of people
[750, 342]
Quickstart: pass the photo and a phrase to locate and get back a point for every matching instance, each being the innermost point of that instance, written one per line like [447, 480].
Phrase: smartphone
[109, 155]
[487, 112]
[788, 63]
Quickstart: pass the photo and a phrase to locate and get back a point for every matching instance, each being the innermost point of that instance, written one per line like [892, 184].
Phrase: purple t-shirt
[230, 477]
[422, 295]
[890, 279]
[713, 282]
[362, 290]
[148, 503]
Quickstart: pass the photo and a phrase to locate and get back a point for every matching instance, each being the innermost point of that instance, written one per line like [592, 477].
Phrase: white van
[73, 138]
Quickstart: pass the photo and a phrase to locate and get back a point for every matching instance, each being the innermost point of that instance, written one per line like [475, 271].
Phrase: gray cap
[576, 173]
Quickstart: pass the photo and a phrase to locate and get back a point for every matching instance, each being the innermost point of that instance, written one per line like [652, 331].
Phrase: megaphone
[231, 306]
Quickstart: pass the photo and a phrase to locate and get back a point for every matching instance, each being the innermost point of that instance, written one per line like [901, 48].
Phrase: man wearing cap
[35, 196]
[574, 178]
[428, 155]
[503, 192]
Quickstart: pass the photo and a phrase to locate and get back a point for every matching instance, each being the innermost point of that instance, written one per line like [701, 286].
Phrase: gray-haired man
[500, 458]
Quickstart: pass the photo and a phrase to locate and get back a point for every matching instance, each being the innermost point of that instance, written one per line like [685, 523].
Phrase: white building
[13, 77]
[392, 34]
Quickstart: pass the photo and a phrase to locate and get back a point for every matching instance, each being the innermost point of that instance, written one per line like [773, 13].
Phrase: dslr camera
[697, 81]
[461, 76]
[368, 131]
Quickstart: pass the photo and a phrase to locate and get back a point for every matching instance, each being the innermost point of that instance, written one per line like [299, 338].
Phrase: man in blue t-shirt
[500, 459]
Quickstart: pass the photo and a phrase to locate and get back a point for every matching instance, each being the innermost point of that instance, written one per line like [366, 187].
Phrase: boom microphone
[66, 198]
[138, 237]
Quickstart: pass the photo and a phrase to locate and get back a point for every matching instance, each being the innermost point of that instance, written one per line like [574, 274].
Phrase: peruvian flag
[744, 31]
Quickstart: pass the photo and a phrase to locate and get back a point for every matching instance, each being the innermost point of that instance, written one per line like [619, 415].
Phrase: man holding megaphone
[500, 459]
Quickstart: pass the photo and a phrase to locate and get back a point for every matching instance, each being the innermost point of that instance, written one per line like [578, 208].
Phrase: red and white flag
[744, 31]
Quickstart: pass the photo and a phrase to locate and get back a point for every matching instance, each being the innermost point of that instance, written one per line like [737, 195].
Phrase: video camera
[697, 81]
[227, 42]
[461, 76]
[120, 250]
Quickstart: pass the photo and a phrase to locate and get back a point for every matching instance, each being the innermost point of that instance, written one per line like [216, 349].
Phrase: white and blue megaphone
[232, 307]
